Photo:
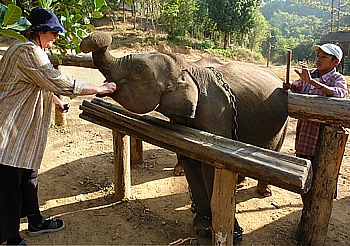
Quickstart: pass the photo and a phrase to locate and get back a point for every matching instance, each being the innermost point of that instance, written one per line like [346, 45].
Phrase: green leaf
[76, 18]
[76, 40]
[98, 4]
[13, 14]
[3, 9]
[128, 2]
[104, 9]
[97, 14]
[21, 25]
[12, 34]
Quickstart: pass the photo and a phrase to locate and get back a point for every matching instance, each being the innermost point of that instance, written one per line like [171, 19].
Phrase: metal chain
[227, 87]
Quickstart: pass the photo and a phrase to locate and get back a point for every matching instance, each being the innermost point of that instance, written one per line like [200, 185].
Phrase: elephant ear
[180, 99]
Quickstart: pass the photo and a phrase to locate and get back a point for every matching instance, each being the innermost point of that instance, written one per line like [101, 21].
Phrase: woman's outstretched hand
[107, 88]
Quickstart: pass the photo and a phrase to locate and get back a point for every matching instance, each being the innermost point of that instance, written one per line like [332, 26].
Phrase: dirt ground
[76, 185]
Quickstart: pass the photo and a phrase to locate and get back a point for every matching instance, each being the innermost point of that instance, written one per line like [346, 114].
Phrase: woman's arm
[106, 88]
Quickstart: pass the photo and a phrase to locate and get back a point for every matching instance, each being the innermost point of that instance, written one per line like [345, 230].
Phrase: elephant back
[261, 103]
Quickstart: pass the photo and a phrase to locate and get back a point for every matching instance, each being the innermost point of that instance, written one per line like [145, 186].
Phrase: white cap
[330, 49]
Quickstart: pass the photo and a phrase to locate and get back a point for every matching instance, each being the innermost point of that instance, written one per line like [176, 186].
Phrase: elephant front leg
[199, 196]
[179, 167]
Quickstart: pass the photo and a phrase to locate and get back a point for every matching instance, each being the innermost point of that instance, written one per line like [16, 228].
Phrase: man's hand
[304, 73]
[286, 86]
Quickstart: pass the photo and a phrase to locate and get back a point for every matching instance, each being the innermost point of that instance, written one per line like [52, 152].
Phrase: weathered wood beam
[68, 60]
[72, 60]
[281, 170]
[317, 108]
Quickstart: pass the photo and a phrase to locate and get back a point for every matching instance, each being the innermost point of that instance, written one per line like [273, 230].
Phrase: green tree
[258, 33]
[233, 16]
[203, 23]
[177, 16]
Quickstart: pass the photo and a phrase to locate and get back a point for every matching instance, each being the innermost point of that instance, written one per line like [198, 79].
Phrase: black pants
[18, 198]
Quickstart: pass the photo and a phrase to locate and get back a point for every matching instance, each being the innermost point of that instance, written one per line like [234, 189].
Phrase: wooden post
[136, 151]
[223, 205]
[122, 177]
[289, 61]
[318, 201]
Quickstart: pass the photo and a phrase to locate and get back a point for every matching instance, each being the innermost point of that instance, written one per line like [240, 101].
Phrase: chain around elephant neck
[227, 87]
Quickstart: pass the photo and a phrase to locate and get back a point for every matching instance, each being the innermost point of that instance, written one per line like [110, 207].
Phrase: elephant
[235, 100]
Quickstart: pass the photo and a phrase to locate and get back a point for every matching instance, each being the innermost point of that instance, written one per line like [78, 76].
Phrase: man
[323, 80]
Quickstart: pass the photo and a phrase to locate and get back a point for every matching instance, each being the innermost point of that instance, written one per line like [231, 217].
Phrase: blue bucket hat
[44, 20]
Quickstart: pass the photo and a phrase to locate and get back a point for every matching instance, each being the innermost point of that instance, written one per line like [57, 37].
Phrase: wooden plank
[318, 201]
[316, 108]
[281, 170]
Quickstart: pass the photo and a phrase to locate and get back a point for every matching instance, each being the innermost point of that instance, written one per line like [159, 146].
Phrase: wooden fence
[227, 155]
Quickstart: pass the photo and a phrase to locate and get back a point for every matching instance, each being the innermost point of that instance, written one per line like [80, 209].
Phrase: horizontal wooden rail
[281, 170]
[68, 60]
[328, 110]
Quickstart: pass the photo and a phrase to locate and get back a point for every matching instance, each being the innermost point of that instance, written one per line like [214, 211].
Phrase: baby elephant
[235, 100]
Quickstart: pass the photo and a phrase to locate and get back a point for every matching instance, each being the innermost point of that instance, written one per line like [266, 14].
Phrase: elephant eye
[138, 69]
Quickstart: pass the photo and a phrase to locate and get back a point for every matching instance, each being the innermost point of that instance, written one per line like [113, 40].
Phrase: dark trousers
[18, 198]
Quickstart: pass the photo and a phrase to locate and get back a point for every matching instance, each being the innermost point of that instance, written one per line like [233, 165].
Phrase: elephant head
[145, 82]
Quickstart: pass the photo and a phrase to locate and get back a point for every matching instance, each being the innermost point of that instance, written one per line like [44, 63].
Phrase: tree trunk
[134, 12]
[225, 40]
[124, 18]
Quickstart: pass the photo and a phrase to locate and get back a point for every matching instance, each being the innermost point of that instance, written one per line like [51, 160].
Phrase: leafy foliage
[75, 16]
[204, 24]
[11, 21]
[176, 16]
[233, 16]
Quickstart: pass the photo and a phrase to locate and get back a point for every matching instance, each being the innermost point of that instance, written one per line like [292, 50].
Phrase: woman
[28, 82]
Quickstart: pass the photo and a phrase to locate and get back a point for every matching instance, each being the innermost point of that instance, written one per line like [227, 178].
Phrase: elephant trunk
[98, 43]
